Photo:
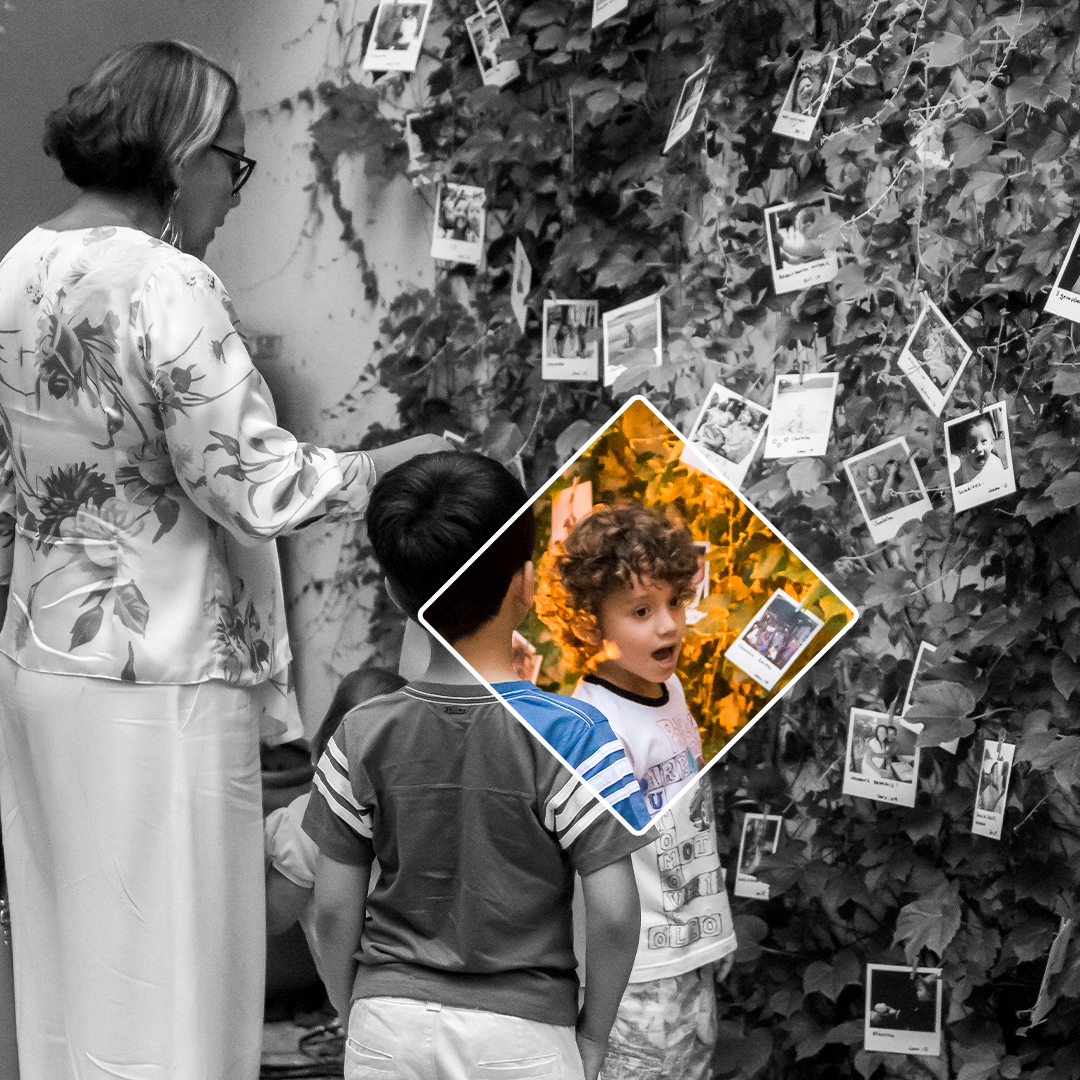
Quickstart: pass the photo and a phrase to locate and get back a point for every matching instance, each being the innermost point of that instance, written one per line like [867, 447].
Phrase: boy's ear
[395, 597]
[522, 586]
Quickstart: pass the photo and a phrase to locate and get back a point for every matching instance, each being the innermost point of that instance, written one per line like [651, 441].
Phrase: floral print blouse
[143, 475]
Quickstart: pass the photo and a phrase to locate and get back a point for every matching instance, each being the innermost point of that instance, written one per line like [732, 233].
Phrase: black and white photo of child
[802, 415]
[993, 788]
[882, 758]
[980, 464]
[632, 337]
[726, 434]
[687, 108]
[760, 837]
[1064, 297]
[806, 96]
[773, 639]
[903, 1010]
[397, 35]
[571, 340]
[934, 357]
[487, 31]
[797, 248]
[888, 488]
[459, 224]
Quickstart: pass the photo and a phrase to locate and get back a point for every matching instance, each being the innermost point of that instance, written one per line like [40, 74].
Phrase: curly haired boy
[615, 599]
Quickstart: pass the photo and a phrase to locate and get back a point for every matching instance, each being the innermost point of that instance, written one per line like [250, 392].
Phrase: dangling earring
[172, 232]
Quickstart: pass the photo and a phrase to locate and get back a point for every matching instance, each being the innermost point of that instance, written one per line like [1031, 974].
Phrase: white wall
[307, 290]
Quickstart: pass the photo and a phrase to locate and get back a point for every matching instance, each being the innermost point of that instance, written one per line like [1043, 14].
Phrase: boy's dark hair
[962, 431]
[429, 516]
[605, 551]
[358, 686]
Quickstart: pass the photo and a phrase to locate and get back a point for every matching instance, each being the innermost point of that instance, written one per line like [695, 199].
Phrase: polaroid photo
[760, 837]
[602, 10]
[694, 612]
[980, 460]
[520, 284]
[568, 508]
[526, 660]
[888, 488]
[726, 435]
[798, 256]
[632, 337]
[397, 35]
[924, 658]
[460, 216]
[773, 639]
[802, 415]
[806, 96]
[625, 451]
[934, 357]
[570, 349]
[1064, 297]
[995, 771]
[903, 1010]
[487, 31]
[687, 108]
[882, 760]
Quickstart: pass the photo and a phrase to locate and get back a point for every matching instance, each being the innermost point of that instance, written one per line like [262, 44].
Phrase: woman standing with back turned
[143, 478]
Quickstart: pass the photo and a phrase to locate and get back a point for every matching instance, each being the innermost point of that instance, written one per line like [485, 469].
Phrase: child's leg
[665, 1029]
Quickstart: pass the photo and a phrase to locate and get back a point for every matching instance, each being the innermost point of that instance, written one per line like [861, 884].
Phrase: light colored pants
[132, 828]
[403, 1039]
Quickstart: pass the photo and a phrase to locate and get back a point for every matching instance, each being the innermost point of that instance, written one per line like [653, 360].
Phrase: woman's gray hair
[142, 114]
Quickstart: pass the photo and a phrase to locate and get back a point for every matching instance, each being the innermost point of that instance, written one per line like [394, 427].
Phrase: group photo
[539, 540]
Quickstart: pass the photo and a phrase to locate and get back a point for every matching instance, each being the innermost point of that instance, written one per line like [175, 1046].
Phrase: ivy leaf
[86, 627]
[572, 439]
[947, 50]
[968, 145]
[929, 922]
[830, 979]
[1065, 491]
[132, 607]
[1066, 675]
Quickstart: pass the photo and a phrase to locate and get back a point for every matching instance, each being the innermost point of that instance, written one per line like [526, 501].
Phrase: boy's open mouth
[664, 655]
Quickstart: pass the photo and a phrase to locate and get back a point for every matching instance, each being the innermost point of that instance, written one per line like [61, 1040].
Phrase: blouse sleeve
[7, 518]
[230, 456]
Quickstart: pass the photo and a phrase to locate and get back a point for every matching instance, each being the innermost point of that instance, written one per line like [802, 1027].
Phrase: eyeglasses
[247, 166]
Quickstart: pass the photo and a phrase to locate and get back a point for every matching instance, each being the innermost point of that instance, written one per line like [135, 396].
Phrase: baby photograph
[934, 357]
[805, 96]
[980, 464]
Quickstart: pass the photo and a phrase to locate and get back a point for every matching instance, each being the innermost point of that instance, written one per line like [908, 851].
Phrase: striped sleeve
[335, 818]
[605, 767]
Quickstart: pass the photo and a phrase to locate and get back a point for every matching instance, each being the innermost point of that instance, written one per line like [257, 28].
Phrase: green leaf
[929, 922]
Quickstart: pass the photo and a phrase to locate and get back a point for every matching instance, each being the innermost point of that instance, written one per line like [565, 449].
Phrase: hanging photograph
[571, 340]
[487, 31]
[882, 761]
[806, 96]
[924, 659]
[773, 639]
[694, 611]
[1065, 295]
[632, 337]
[687, 108]
[980, 460]
[568, 507]
[726, 435]
[995, 770]
[760, 837]
[520, 284]
[797, 253]
[802, 415]
[397, 36]
[903, 1010]
[934, 357]
[526, 659]
[602, 10]
[888, 488]
[460, 215]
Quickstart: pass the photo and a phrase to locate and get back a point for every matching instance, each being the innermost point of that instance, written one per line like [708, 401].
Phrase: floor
[301, 1047]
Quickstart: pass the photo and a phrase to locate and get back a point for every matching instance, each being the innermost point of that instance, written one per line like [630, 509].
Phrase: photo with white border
[923, 660]
[686, 109]
[570, 349]
[888, 488]
[1064, 297]
[934, 357]
[726, 434]
[773, 639]
[397, 35]
[882, 759]
[802, 415]
[487, 31]
[460, 217]
[632, 337]
[903, 1010]
[520, 284]
[760, 836]
[979, 457]
[995, 771]
[806, 96]
[797, 255]
[603, 10]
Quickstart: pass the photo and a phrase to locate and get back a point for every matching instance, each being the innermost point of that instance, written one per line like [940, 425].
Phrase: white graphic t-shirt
[685, 916]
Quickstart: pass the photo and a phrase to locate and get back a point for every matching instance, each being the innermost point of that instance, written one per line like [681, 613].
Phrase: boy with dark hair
[615, 598]
[461, 961]
[977, 454]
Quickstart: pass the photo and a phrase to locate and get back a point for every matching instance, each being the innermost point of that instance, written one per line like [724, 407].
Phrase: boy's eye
[641, 612]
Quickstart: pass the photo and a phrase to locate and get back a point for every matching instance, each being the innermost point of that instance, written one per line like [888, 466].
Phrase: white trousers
[132, 830]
